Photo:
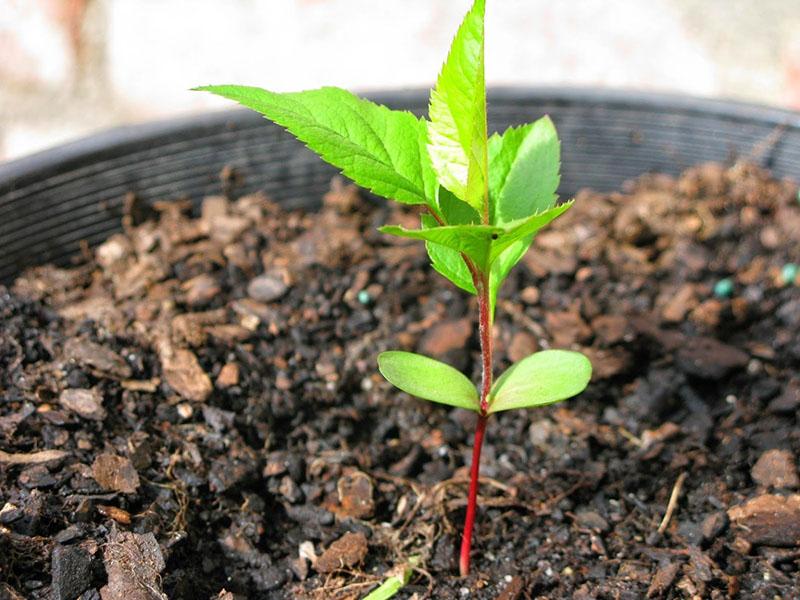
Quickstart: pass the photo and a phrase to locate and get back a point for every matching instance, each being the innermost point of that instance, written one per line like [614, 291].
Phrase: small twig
[177, 489]
[491, 503]
[334, 585]
[551, 502]
[425, 494]
[32, 458]
[410, 517]
[673, 502]
[431, 581]
[630, 437]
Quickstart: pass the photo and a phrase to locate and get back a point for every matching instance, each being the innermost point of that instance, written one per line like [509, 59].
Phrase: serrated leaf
[380, 149]
[530, 184]
[542, 378]
[481, 243]
[457, 129]
[473, 240]
[448, 262]
[428, 379]
[523, 177]
[522, 228]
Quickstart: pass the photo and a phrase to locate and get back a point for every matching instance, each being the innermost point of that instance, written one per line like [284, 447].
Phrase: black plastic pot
[51, 201]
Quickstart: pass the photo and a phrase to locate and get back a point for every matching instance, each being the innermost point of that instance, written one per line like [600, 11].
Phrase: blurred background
[71, 67]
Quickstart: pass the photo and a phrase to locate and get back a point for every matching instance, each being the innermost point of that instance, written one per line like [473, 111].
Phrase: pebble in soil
[197, 409]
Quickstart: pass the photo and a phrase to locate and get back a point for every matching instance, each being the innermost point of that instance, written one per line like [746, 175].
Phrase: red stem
[472, 498]
[485, 332]
[481, 283]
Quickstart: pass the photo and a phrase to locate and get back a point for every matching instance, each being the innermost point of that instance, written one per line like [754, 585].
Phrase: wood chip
[229, 334]
[267, 288]
[99, 358]
[776, 468]
[769, 519]
[355, 491]
[611, 329]
[117, 514]
[134, 564]
[608, 362]
[678, 304]
[663, 579]
[115, 473]
[523, 344]
[183, 373]
[708, 358]
[228, 376]
[567, 328]
[445, 337]
[347, 551]
[141, 385]
[85, 403]
[200, 290]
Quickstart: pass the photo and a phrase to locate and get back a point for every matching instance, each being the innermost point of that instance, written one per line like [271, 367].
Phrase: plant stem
[472, 497]
[485, 333]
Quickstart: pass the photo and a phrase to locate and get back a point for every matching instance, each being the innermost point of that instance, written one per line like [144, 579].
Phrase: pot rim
[117, 140]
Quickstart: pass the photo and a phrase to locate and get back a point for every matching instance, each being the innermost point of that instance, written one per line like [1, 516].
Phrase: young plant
[484, 198]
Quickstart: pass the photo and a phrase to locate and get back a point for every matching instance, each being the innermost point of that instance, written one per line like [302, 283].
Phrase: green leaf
[457, 129]
[523, 177]
[542, 378]
[473, 240]
[448, 262]
[481, 243]
[380, 149]
[522, 228]
[532, 180]
[428, 379]
[430, 183]
[503, 151]
[524, 167]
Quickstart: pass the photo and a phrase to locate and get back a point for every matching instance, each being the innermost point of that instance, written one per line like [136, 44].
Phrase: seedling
[395, 581]
[484, 199]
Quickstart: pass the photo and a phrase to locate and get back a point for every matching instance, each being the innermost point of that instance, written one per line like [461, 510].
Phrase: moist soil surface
[194, 409]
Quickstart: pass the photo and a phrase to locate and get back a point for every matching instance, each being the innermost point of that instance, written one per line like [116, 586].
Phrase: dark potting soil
[196, 406]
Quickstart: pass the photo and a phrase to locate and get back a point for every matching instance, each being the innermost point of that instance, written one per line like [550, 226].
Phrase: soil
[193, 410]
